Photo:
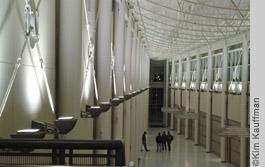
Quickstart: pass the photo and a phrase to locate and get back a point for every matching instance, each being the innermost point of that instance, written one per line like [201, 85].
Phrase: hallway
[183, 153]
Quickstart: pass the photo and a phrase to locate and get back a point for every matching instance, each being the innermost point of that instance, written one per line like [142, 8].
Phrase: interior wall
[203, 104]
[177, 92]
[193, 98]
[183, 101]
[234, 107]
[28, 98]
[216, 104]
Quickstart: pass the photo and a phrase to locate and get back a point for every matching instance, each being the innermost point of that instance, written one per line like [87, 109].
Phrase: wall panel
[203, 98]
[216, 104]
[234, 107]
[192, 100]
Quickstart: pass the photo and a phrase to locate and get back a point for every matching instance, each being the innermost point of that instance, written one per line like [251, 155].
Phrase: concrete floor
[183, 153]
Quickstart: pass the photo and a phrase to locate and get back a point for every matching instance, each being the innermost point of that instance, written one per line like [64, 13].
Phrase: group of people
[162, 141]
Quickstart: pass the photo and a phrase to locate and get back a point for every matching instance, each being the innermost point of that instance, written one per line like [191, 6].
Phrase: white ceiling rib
[170, 27]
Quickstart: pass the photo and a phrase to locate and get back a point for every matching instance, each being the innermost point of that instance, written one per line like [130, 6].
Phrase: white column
[224, 102]
[172, 94]
[147, 80]
[69, 64]
[187, 98]
[166, 92]
[197, 108]
[119, 63]
[243, 141]
[147, 71]
[140, 97]
[103, 73]
[180, 93]
[137, 127]
[127, 104]
[133, 106]
[209, 103]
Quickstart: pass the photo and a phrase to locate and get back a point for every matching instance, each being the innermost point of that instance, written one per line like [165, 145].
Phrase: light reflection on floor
[183, 153]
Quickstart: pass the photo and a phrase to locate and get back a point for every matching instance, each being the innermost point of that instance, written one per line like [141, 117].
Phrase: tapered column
[180, 94]
[103, 73]
[187, 98]
[141, 95]
[147, 79]
[137, 127]
[147, 71]
[172, 94]
[224, 102]
[127, 104]
[209, 103]
[141, 85]
[166, 92]
[70, 65]
[243, 141]
[133, 104]
[119, 53]
[197, 107]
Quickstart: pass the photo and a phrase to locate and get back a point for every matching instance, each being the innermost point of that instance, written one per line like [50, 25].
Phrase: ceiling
[170, 27]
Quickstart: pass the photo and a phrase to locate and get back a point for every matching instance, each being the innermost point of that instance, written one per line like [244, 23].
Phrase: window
[217, 70]
[157, 73]
[204, 71]
[184, 74]
[193, 69]
[176, 74]
[169, 74]
[235, 68]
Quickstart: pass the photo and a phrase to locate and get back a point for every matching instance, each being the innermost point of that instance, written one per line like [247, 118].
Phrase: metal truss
[175, 26]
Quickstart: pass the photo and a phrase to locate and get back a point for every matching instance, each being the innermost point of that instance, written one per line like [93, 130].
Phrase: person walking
[164, 139]
[158, 142]
[169, 140]
[144, 142]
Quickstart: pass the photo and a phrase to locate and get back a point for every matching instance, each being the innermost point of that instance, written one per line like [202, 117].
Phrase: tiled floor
[183, 153]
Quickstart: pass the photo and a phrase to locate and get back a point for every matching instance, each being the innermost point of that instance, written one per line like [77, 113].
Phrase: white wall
[183, 103]
[28, 98]
[192, 100]
[216, 104]
[177, 97]
[234, 107]
[203, 98]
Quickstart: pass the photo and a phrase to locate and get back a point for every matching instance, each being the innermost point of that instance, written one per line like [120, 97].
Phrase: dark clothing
[158, 143]
[144, 138]
[145, 147]
[169, 140]
[158, 139]
[144, 142]
[164, 139]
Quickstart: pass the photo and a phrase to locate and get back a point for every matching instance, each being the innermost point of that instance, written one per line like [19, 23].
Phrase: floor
[183, 153]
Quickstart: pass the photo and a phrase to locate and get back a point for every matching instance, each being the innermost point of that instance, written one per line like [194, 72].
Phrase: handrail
[59, 149]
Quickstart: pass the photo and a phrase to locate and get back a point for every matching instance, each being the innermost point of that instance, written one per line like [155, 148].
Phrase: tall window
[248, 67]
[193, 69]
[157, 72]
[204, 71]
[184, 74]
[217, 70]
[169, 74]
[235, 68]
[176, 74]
